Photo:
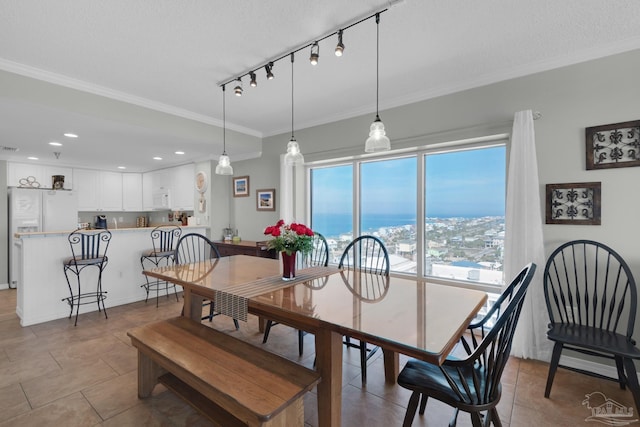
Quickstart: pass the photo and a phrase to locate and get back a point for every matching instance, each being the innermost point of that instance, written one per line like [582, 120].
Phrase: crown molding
[61, 80]
[483, 80]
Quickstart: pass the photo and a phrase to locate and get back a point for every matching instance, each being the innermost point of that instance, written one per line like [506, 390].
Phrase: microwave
[161, 199]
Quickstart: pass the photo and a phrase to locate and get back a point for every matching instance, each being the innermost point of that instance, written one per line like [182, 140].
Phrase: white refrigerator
[35, 210]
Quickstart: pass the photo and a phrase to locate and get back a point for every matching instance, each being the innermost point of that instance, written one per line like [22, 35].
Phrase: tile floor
[55, 374]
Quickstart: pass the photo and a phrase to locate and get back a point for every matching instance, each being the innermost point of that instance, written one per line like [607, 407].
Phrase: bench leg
[292, 415]
[148, 373]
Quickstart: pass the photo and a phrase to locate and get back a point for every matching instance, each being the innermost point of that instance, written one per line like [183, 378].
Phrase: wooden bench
[231, 382]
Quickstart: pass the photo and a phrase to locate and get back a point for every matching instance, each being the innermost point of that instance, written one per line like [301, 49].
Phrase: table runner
[233, 300]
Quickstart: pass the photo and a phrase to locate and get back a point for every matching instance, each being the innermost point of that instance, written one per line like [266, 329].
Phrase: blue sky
[463, 183]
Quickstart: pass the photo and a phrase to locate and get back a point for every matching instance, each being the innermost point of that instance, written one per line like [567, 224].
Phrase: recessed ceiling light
[70, 135]
[122, 167]
[55, 144]
[179, 152]
[157, 158]
[32, 158]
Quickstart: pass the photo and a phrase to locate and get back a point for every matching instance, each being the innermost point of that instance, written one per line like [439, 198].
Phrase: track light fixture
[293, 156]
[238, 89]
[377, 141]
[269, 70]
[340, 45]
[224, 163]
[315, 53]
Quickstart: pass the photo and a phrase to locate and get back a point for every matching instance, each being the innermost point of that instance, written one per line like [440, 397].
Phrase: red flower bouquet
[290, 238]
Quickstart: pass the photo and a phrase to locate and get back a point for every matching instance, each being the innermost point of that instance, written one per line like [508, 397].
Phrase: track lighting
[238, 89]
[315, 53]
[253, 83]
[224, 163]
[293, 156]
[377, 141]
[340, 45]
[269, 70]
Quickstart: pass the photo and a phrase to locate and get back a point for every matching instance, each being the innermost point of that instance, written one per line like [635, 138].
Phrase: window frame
[419, 153]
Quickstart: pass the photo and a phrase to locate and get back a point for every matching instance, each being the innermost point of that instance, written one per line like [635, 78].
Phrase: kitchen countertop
[112, 230]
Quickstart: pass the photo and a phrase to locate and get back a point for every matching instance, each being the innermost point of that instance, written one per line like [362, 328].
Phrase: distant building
[406, 247]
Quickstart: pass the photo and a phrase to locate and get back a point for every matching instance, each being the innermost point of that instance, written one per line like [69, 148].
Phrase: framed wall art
[576, 203]
[241, 186]
[266, 199]
[613, 146]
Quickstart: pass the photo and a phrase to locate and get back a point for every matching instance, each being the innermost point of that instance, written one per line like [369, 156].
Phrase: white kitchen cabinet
[132, 191]
[169, 189]
[87, 188]
[182, 187]
[147, 191]
[40, 173]
[155, 190]
[98, 190]
[110, 191]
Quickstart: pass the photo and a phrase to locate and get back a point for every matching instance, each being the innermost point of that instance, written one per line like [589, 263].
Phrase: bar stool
[88, 249]
[163, 239]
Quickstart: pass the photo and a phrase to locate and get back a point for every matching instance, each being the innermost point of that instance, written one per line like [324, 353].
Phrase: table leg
[329, 364]
[192, 305]
[391, 365]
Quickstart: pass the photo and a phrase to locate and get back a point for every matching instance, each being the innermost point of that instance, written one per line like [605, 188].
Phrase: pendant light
[377, 141]
[224, 163]
[293, 156]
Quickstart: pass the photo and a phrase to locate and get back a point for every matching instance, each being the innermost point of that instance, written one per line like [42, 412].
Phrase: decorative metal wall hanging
[613, 146]
[576, 203]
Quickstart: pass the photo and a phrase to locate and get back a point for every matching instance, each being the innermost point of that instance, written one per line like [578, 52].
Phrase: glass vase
[288, 266]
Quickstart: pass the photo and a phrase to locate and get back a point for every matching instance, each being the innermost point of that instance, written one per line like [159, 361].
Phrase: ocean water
[333, 225]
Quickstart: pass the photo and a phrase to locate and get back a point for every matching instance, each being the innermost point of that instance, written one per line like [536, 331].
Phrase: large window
[388, 208]
[459, 192]
[332, 207]
[464, 215]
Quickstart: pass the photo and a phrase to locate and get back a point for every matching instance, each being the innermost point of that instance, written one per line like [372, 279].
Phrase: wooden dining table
[400, 315]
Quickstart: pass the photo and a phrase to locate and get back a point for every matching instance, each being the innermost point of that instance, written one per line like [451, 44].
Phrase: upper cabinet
[182, 187]
[98, 190]
[164, 189]
[110, 191]
[19, 174]
[171, 188]
[132, 192]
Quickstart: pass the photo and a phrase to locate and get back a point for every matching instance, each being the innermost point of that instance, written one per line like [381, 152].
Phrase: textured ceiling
[170, 56]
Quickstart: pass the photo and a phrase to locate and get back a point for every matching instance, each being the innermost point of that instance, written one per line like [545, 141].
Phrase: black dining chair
[472, 383]
[318, 256]
[194, 247]
[163, 239]
[88, 249]
[592, 299]
[365, 254]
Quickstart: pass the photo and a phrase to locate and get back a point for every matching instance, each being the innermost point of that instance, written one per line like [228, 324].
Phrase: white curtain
[524, 240]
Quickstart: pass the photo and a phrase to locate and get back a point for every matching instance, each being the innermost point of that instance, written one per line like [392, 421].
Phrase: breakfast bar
[42, 285]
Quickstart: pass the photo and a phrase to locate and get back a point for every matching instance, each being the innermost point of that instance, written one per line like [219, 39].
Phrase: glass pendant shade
[377, 140]
[224, 165]
[293, 156]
